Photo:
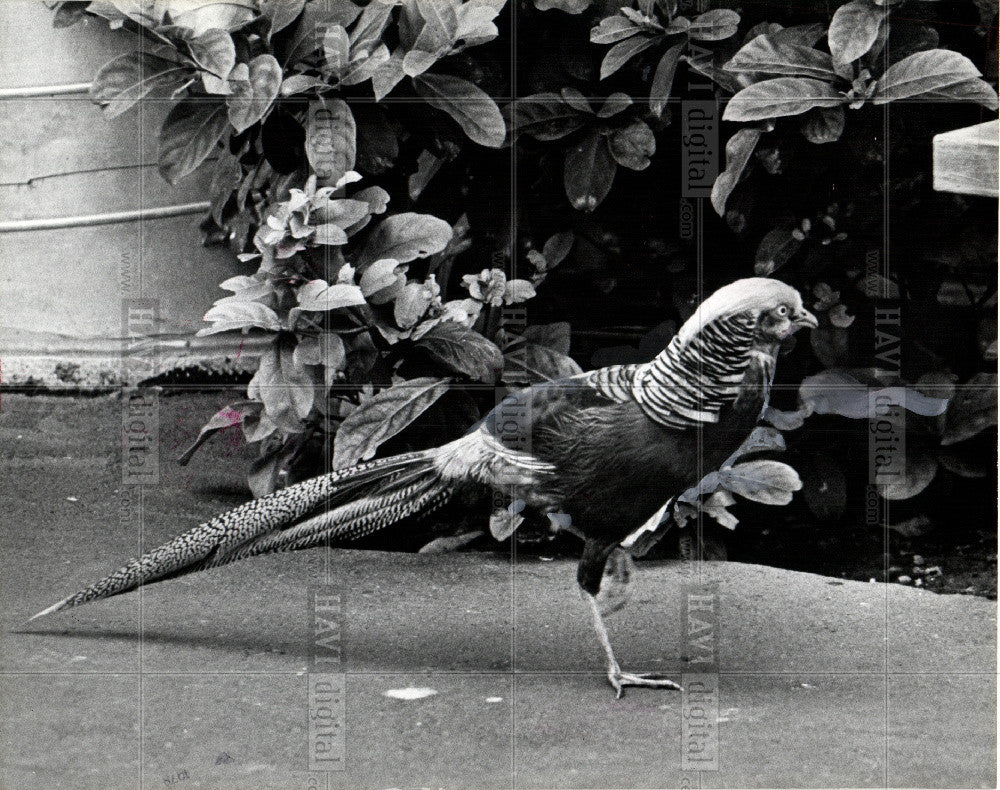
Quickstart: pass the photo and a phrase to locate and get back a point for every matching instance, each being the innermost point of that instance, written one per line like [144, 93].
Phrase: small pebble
[493, 700]
[918, 583]
[904, 579]
[918, 559]
[72, 499]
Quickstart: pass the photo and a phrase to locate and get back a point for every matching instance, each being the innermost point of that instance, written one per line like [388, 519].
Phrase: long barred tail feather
[344, 505]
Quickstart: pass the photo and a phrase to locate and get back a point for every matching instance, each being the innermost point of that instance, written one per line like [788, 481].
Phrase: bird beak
[805, 318]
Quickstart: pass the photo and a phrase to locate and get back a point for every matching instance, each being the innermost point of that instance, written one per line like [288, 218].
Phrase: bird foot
[654, 680]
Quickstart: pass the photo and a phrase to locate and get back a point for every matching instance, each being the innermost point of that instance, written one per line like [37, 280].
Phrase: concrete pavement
[203, 681]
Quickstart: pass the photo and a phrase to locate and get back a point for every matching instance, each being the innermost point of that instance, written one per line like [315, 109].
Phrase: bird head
[776, 307]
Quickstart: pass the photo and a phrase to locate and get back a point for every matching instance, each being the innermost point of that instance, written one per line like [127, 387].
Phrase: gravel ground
[203, 681]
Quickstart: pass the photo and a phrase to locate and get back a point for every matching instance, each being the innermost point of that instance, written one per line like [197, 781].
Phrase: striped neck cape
[689, 382]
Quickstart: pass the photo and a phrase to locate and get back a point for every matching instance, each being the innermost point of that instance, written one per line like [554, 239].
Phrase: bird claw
[656, 680]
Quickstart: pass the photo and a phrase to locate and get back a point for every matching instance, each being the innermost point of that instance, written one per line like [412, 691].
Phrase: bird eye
[782, 310]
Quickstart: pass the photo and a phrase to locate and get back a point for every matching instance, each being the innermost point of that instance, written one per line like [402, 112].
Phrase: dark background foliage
[852, 221]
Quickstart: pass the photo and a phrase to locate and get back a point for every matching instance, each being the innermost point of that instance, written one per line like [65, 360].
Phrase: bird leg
[611, 597]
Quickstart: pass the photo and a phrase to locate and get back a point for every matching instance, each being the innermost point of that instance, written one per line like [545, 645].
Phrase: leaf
[69, 13]
[461, 350]
[612, 29]
[532, 363]
[913, 527]
[382, 274]
[376, 198]
[778, 97]
[281, 12]
[805, 35]
[263, 475]
[975, 465]
[544, 116]
[207, 14]
[517, 291]
[300, 83]
[762, 439]
[707, 485]
[122, 82]
[298, 382]
[739, 148]
[270, 387]
[839, 317]
[776, 249]
[632, 145]
[919, 472]
[716, 506]
[556, 248]
[411, 305]
[475, 22]
[331, 143]
[663, 79]
[240, 282]
[555, 336]
[234, 313]
[317, 17]
[416, 62]
[329, 234]
[405, 237]
[714, 25]
[786, 420]
[975, 90]
[823, 124]
[336, 51]
[505, 520]
[854, 29]
[624, 51]
[878, 286]
[764, 55]
[473, 109]
[438, 33]
[343, 212]
[972, 410]
[825, 488]
[831, 345]
[767, 482]
[188, 135]
[575, 99]
[448, 543]
[614, 104]
[215, 52]
[388, 75]
[226, 417]
[332, 356]
[382, 417]
[364, 68]
[923, 72]
[566, 6]
[588, 172]
[254, 88]
[838, 391]
[317, 295]
[703, 64]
